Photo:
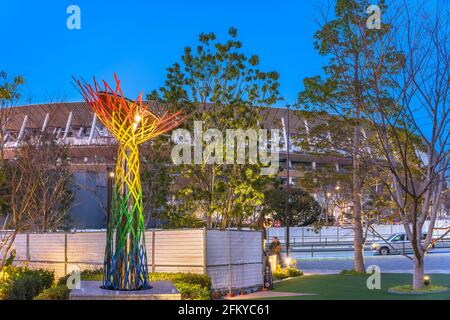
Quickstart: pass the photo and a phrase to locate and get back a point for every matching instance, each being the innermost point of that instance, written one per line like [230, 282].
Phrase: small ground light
[288, 261]
[111, 174]
[426, 280]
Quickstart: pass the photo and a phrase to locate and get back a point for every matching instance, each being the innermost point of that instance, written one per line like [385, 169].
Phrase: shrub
[191, 286]
[294, 272]
[283, 273]
[279, 275]
[191, 291]
[19, 283]
[8, 274]
[88, 275]
[10, 260]
[92, 275]
[351, 273]
[191, 278]
[59, 292]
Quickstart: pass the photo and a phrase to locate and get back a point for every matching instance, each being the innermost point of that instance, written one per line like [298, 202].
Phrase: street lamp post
[268, 280]
[327, 197]
[286, 222]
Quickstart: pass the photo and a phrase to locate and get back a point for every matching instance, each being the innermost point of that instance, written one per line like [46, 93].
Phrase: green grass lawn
[350, 287]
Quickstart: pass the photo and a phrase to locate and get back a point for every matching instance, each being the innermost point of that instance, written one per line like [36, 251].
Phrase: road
[437, 261]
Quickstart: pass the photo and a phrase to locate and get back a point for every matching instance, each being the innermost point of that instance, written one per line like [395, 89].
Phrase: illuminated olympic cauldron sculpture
[132, 123]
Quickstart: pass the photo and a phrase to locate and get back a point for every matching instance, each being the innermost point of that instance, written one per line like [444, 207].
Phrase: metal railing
[325, 243]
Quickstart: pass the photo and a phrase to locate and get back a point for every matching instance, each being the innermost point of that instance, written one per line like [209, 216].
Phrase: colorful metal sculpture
[132, 123]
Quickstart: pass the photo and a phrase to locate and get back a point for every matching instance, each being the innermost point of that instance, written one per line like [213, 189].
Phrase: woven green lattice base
[125, 265]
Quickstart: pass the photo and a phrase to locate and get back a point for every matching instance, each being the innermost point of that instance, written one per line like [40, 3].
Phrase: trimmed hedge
[352, 272]
[191, 291]
[19, 283]
[87, 275]
[284, 273]
[191, 286]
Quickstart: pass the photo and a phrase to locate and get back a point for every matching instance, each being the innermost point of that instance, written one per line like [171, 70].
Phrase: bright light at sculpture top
[132, 123]
[124, 119]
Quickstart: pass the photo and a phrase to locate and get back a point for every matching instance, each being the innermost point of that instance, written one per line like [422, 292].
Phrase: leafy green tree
[156, 178]
[9, 88]
[44, 163]
[220, 79]
[303, 209]
[345, 90]
[179, 217]
[9, 92]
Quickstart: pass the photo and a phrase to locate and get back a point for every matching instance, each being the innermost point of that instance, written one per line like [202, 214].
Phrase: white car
[398, 243]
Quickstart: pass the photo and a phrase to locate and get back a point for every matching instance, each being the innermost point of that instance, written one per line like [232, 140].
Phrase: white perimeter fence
[334, 235]
[232, 258]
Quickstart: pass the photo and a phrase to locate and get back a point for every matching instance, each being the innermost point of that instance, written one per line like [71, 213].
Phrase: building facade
[91, 150]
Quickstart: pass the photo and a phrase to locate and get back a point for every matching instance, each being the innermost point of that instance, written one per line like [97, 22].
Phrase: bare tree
[409, 112]
[46, 160]
[38, 185]
[21, 190]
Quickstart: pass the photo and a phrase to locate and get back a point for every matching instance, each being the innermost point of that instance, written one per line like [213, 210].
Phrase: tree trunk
[208, 220]
[418, 273]
[358, 241]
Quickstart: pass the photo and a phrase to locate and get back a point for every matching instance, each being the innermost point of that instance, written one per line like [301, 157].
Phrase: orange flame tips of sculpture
[126, 119]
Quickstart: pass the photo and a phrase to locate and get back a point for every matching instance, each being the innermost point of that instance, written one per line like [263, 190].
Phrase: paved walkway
[268, 294]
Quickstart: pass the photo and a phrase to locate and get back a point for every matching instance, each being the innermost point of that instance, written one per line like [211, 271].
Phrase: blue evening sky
[140, 39]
